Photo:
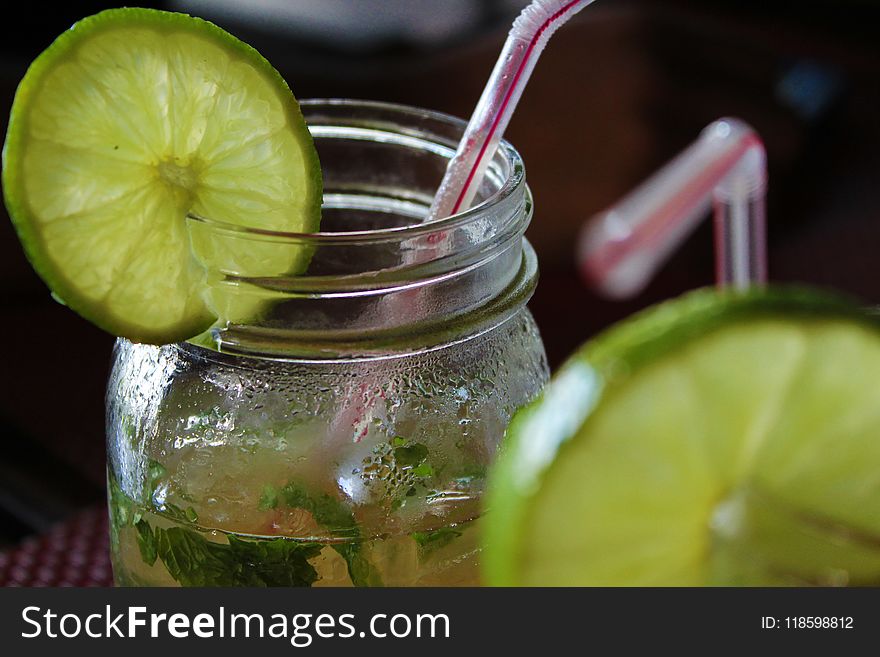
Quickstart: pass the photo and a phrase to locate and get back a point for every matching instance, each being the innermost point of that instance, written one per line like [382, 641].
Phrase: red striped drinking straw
[620, 249]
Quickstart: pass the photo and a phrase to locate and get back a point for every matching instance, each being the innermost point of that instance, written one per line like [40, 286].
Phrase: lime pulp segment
[128, 122]
[717, 439]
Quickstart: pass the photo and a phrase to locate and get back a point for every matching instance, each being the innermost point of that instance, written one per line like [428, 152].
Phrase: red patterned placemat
[73, 553]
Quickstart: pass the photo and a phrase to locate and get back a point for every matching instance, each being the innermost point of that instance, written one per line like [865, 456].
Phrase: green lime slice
[717, 439]
[129, 121]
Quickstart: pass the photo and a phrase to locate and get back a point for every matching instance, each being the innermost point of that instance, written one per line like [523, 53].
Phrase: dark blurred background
[619, 90]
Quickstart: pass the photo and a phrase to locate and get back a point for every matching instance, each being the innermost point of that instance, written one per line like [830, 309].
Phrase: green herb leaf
[432, 541]
[121, 510]
[327, 511]
[277, 562]
[423, 470]
[332, 514]
[146, 541]
[410, 456]
[269, 498]
[193, 560]
[360, 569]
[176, 513]
[157, 473]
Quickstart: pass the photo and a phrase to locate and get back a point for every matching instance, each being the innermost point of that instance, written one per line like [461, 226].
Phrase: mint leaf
[332, 514]
[277, 562]
[192, 560]
[471, 472]
[156, 472]
[146, 541]
[360, 569]
[423, 470]
[327, 511]
[176, 513]
[429, 542]
[410, 456]
[269, 498]
[121, 510]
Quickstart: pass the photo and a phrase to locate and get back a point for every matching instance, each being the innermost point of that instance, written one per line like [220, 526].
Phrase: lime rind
[193, 313]
[645, 508]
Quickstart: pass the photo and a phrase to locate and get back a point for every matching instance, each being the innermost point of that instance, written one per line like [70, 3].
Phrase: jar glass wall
[335, 425]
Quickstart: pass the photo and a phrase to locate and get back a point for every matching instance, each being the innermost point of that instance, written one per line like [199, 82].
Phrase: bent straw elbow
[620, 249]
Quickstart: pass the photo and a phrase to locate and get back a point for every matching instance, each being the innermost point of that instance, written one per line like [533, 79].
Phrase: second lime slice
[718, 439]
[128, 122]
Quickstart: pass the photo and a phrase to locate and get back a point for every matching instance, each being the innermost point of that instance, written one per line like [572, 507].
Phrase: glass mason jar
[335, 425]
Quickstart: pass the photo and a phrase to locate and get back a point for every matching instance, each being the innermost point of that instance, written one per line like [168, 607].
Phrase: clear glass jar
[335, 425]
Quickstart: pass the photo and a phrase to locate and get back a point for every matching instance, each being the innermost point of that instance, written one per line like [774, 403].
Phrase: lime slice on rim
[129, 121]
[717, 439]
